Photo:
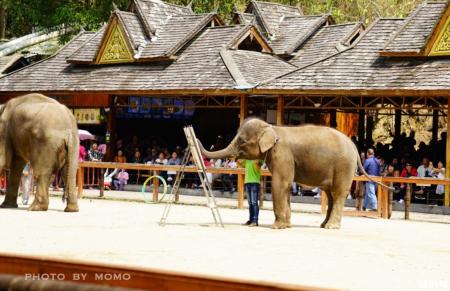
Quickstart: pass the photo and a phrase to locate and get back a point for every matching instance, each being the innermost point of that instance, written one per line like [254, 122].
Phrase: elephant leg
[12, 186]
[329, 208]
[288, 211]
[69, 191]
[40, 202]
[334, 221]
[281, 189]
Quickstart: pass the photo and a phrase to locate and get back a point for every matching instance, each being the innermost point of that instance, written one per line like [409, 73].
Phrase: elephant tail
[361, 168]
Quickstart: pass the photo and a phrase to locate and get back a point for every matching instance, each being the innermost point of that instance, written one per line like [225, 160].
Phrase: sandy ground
[365, 254]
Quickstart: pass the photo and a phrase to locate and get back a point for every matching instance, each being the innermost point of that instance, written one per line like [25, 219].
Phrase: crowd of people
[401, 158]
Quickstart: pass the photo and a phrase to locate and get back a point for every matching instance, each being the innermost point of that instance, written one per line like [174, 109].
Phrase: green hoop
[145, 185]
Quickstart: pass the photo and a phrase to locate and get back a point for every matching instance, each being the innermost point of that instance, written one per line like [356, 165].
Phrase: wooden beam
[280, 110]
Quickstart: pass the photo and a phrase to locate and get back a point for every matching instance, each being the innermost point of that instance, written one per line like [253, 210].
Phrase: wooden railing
[384, 196]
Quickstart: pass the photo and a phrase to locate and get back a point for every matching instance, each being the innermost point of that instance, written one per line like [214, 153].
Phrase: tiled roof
[87, 51]
[177, 32]
[269, 15]
[257, 67]
[293, 31]
[417, 29]
[157, 13]
[326, 42]
[362, 68]
[134, 29]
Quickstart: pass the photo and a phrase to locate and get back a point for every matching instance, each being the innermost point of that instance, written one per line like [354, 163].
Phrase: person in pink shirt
[82, 153]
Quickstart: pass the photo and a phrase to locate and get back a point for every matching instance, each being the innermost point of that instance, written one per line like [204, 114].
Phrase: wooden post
[110, 131]
[262, 191]
[407, 200]
[361, 129]
[323, 197]
[101, 182]
[397, 124]
[280, 110]
[80, 181]
[240, 188]
[155, 186]
[390, 199]
[333, 121]
[240, 183]
[435, 128]
[380, 201]
[385, 202]
[369, 131]
[447, 160]
[360, 195]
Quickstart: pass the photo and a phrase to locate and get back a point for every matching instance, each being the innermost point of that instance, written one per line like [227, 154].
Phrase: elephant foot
[71, 208]
[331, 225]
[279, 225]
[9, 205]
[37, 207]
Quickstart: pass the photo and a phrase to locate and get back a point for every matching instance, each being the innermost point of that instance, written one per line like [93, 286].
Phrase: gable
[115, 47]
[440, 39]
[250, 39]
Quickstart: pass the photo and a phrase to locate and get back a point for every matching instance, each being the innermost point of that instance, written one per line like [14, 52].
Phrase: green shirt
[252, 173]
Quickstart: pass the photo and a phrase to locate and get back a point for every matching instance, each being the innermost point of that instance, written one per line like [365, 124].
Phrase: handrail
[382, 192]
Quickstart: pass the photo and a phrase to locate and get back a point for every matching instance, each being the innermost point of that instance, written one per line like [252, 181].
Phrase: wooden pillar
[242, 116]
[155, 186]
[361, 129]
[280, 110]
[447, 160]
[80, 181]
[369, 130]
[333, 122]
[407, 200]
[397, 124]
[434, 130]
[110, 131]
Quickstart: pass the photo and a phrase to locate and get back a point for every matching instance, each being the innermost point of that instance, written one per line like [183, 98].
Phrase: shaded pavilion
[273, 58]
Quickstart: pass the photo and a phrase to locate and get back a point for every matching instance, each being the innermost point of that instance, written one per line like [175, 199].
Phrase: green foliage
[27, 15]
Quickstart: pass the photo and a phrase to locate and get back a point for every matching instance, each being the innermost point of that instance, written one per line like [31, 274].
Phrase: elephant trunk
[229, 151]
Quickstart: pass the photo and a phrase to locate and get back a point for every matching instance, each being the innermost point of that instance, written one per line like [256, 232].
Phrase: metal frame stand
[194, 150]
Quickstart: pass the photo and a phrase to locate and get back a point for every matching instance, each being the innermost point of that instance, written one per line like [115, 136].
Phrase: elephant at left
[39, 130]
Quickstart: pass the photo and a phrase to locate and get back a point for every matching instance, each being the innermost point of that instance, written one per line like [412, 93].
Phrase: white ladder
[194, 150]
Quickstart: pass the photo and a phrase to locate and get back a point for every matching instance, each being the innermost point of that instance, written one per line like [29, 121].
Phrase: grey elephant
[311, 155]
[39, 130]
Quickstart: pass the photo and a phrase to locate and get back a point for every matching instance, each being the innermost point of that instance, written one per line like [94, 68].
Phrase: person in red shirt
[409, 171]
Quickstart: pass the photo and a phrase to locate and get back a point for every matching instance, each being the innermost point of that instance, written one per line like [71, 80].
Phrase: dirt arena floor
[365, 254]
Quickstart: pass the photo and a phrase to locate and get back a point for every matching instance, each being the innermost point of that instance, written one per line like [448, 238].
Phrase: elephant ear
[267, 139]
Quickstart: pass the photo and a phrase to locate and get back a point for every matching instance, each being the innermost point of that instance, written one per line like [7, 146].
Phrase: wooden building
[273, 58]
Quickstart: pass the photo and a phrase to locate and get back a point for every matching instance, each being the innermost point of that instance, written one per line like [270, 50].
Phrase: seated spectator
[174, 161]
[121, 181]
[424, 170]
[161, 160]
[227, 183]
[439, 173]
[82, 153]
[94, 154]
[137, 157]
[389, 171]
[409, 171]
[120, 158]
[396, 164]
